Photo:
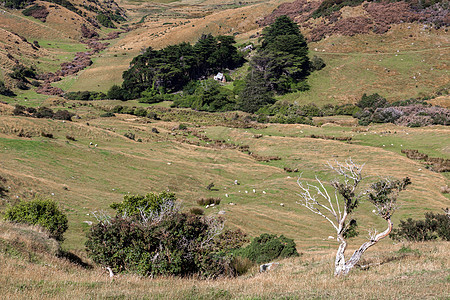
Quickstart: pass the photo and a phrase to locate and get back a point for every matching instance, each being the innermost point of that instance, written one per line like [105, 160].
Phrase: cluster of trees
[170, 69]
[280, 65]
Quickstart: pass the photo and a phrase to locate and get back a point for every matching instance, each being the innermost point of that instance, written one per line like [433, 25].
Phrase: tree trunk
[343, 267]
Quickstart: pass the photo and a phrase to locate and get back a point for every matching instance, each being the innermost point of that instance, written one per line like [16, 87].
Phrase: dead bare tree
[337, 208]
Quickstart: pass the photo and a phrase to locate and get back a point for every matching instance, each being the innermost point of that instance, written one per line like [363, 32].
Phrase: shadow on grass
[75, 259]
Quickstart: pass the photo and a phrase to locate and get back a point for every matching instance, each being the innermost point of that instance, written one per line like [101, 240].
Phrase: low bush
[132, 205]
[197, 211]
[44, 112]
[434, 226]
[161, 241]
[42, 212]
[47, 134]
[208, 201]
[5, 91]
[36, 11]
[107, 115]
[105, 21]
[268, 247]
[372, 101]
[85, 95]
[21, 73]
[130, 135]
[63, 115]
[3, 189]
[317, 63]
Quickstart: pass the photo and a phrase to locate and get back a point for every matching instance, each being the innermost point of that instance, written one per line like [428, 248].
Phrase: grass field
[84, 178]
[101, 165]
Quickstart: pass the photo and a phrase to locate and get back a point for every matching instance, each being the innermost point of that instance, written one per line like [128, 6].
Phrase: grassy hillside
[85, 178]
[90, 163]
[415, 271]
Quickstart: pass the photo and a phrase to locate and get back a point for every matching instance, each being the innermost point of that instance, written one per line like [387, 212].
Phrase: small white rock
[282, 204]
[264, 192]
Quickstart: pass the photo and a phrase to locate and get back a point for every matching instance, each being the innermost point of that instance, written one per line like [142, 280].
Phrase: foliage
[268, 247]
[36, 11]
[170, 69]
[410, 112]
[372, 102]
[197, 211]
[317, 63]
[40, 212]
[351, 229]
[134, 205]
[21, 73]
[5, 91]
[292, 113]
[116, 93]
[434, 226]
[3, 189]
[383, 195]
[63, 115]
[16, 4]
[255, 94]
[85, 95]
[167, 242]
[209, 95]
[327, 7]
[283, 56]
[105, 21]
[208, 201]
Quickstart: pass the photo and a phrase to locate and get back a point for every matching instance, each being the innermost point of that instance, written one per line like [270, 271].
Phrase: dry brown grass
[420, 274]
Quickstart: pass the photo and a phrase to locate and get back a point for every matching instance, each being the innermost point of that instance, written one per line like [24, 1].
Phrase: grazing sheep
[267, 267]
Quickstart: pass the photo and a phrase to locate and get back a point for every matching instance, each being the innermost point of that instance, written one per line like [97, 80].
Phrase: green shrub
[132, 204]
[116, 93]
[5, 91]
[130, 135]
[85, 95]
[197, 211]
[63, 115]
[164, 242]
[44, 112]
[208, 201]
[105, 21]
[434, 226]
[317, 63]
[268, 247]
[107, 115]
[373, 102]
[40, 212]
